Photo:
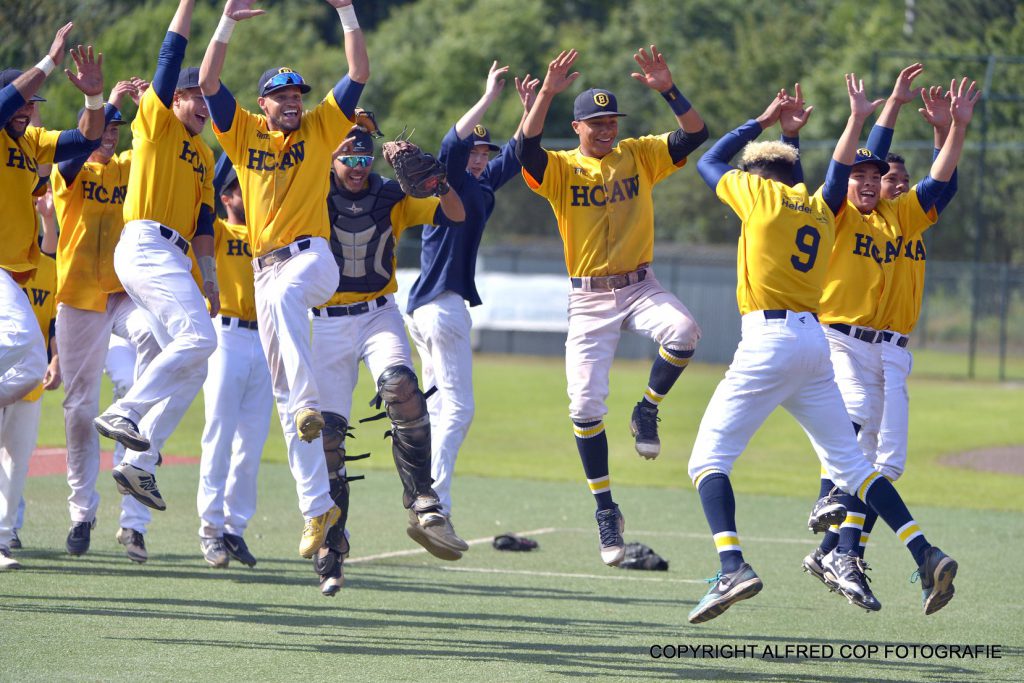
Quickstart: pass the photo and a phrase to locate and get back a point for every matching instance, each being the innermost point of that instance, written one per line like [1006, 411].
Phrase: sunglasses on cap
[356, 160]
[288, 78]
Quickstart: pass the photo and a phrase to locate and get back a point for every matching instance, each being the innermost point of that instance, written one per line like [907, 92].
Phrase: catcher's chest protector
[362, 238]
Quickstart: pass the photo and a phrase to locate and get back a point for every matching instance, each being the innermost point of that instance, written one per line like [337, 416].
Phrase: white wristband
[208, 269]
[348, 18]
[224, 29]
[46, 65]
[94, 102]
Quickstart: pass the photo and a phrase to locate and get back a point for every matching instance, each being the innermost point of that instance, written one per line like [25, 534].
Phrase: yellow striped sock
[588, 432]
[726, 541]
[673, 360]
[600, 485]
[908, 532]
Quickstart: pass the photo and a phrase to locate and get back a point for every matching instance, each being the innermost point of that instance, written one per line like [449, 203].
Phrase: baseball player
[237, 393]
[19, 421]
[783, 357]
[168, 211]
[24, 148]
[601, 196]
[88, 197]
[859, 344]
[281, 158]
[361, 322]
[438, 320]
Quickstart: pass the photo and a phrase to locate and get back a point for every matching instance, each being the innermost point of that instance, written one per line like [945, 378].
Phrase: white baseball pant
[779, 362]
[83, 341]
[376, 338]
[19, 427]
[891, 456]
[857, 366]
[122, 366]
[596, 321]
[157, 275]
[441, 330]
[238, 399]
[22, 348]
[285, 291]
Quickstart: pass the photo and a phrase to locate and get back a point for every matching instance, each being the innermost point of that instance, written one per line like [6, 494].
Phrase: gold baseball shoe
[315, 531]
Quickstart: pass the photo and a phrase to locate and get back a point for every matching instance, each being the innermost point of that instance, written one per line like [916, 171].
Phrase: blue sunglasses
[357, 160]
[285, 79]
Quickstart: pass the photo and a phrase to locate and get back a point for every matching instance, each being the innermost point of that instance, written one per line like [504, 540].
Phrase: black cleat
[139, 484]
[846, 573]
[936, 574]
[79, 537]
[644, 426]
[238, 550]
[828, 510]
[121, 430]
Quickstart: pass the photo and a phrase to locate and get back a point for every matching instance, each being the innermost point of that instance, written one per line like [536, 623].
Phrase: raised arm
[25, 86]
[172, 53]
[527, 89]
[715, 162]
[350, 87]
[492, 89]
[936, 112]
[837, 178]
[220, 101]
[69, 168]
[559, 77]
[902, 92]
[792, 117]
[655, 74]
[961, 107]
[89, 80]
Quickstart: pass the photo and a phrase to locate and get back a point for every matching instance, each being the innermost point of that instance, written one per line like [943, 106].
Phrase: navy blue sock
[592, 443]
[850, 530]
[870, 517]
[831, 538]
[719, 504]
[667, 367]
[881, 495]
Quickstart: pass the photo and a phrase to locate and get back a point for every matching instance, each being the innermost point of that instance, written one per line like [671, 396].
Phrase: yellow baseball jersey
[234, 270]
[859, 269]
[905, 222]
[41, 290]
[172, 170]
[406, 213]
[19, 249]
[786, 236]
[285, 177]
[90, 212]
[604, 207]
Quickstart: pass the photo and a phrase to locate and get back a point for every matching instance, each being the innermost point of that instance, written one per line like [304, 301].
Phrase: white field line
[567, 575]
[811, 538]
[422, 551]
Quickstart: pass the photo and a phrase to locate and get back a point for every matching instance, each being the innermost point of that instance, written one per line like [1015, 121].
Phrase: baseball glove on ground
[419, 173]
[640, 556]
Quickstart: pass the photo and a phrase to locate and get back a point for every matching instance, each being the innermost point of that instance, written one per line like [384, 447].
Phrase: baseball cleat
[139, 484]
[434, 531]
[309, 423]
[214, 552]
[644, 426]
[610, 525]
[812, 565]
[134, 544]
[238, 550]
[828, 511]
[7, 561]
[79, 537]
[846, 573]
[315, 531]
[328, 564]
[121, 430]
[726, 589]
[936, 573]
[15, 543]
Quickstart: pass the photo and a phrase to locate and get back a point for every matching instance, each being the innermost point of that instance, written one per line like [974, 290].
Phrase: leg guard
[406, 407]
[335, 431]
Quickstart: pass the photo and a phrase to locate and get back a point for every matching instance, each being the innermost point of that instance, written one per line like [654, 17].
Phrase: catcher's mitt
[419, 173]
[639, 556]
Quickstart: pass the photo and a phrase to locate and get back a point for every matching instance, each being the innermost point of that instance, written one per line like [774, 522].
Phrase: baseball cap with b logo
[481, 136]
[866, 156]
[595, 102]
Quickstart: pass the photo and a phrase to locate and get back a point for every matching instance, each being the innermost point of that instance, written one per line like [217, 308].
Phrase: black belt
[354, 309]
[175, 239]
[283, 254]
[244, 324]
[780, 314]
[901, 342]
[869, 336]
[609, 282]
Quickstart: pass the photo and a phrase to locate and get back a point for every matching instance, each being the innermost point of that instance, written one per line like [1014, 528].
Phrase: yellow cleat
[309, 423]
[316, 530]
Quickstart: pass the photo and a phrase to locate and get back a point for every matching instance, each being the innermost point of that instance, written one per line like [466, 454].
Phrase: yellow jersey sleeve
[901, 305]
[234, 271]
[413, 211]
[172, 170]
[19, 251]
[41, 292]
[652, 156]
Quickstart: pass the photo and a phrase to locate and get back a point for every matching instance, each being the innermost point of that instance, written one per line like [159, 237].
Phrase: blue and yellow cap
[595, 102]
[866, 156]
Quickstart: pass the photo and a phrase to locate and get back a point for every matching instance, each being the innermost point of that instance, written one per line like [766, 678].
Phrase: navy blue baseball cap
[280, 77]
[362, 145]
[116, 120]
[482, 136]
[188, 78]
[223, 174]
[595, 102]
[8, 76]
[866, 156]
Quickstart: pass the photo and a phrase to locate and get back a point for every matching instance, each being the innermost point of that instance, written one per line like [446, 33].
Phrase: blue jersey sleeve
[681, 143]
[454, 154]
[222, 108]
[532, 156]
[10, 101]
[69, 169]
[168, 66]
[504, 167]
[715, 162]
[204, 226]
[880, 140]
[798, 168]
[346, 94]
[837, 180]
[929, 191]
[71, 144]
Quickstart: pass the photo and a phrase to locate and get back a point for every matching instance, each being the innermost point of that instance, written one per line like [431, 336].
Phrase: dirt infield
[1001, 460]
[49, 461]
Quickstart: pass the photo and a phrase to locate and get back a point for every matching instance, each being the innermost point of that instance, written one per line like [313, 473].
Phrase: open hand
[89, 78]
[860, 106]
[559, 76]
[527, 89]
[936, 107]
[902, 91]
[495, 80]
[57, 48]
[963, 99]
[656, 74]
[119, 91]
[793, 115]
